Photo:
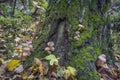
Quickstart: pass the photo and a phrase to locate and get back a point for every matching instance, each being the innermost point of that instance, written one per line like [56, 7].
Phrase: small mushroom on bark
[81, 26]
[52, 48]
[76, 38]
[47, 49]
[50, 43]
[77, 32]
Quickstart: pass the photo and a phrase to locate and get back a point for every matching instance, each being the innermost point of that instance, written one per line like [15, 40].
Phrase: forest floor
[16, 46]
[11, 65]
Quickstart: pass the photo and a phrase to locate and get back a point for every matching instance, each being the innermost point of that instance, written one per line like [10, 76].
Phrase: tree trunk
[62, 19]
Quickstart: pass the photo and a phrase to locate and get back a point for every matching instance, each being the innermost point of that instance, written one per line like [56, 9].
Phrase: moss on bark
[81, 53]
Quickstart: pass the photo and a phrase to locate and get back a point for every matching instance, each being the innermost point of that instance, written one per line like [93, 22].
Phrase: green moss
[85, 55]
[84, 36]
[80, 60]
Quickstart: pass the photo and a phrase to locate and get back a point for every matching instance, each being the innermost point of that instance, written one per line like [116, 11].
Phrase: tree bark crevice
[59, 35]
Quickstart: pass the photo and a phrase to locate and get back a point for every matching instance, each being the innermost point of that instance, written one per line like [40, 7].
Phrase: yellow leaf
[66, 74]
[105, 66]
[12, 64]
[25, 76]
[72, 70]
[101, 79]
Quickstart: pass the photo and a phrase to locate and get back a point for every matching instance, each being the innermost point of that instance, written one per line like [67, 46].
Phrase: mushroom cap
[76, 38]
[29, 42]
[52, 48]
[77, 32]
[50, 43]
[24, 44]
[102, 57]
[47, 49]
[25, 54]
[19, 47]
[81, 26]
[30, 46]
[26, 49]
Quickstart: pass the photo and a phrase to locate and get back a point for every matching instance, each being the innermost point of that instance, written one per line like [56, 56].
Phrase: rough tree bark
[62, 19]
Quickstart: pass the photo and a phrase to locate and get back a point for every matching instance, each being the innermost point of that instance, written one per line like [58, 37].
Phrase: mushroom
[101, 61]
[49, 52]
[24, 55]
[47, 49]
[26, 49]
[29, 42]
[50, 43]
[76, 38]
[52, 48]
[77, 32]
[30, 46]
[102, 58]
[24, 44]
[81, 26]
[19, 47]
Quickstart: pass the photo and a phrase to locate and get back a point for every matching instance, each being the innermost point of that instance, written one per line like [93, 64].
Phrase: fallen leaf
[101, 79]
[37, 61]
[31, 77]
[46, 67]
[72, 70]
[41, 69]
[12, 64]
[66, 74]
[117, 64]
[52, 59]
[19, 69]
[2, 69]
[25, 76]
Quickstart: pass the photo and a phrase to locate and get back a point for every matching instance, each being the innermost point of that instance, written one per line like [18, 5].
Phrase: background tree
[74, 46]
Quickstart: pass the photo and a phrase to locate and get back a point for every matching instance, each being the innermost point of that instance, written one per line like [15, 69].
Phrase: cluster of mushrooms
[77, 33]
[50, 47]
[25, 49]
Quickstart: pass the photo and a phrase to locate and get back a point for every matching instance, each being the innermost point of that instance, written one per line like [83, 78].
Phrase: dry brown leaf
[31, 77]
[37, 61]
[46, 67]
[19, 69]
[117, 64]
[41, 69]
